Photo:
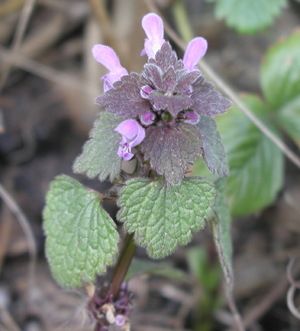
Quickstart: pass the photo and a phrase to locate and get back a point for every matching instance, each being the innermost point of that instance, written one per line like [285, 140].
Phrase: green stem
[123, 264]
[182, 21]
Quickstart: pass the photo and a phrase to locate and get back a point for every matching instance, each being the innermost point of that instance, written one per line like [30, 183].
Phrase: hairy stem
[123, 264]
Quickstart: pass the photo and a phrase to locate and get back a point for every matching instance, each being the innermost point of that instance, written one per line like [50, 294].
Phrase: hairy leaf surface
[213, 149]
[99, 155]
[208, 101]
[81, 238]
[174, 104]
[221, 231]
[125, 99]
[164, 217]
[170, 150]
[166, 58]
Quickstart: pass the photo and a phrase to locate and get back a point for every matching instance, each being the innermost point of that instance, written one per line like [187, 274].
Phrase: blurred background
[48, 83]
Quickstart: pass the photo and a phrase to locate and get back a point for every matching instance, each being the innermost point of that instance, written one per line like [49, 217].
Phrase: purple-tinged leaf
[166, 58]
[213, 150]
[125, 99]
[153, 76]
[171, 149]
[169, 81]
[208, 101]
[173, 104]
[186, 80]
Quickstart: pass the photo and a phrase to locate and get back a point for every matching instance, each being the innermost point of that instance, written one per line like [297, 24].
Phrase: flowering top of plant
[163, 116]
[167, 108]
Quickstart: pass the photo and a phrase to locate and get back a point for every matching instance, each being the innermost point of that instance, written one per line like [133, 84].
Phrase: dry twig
[5, 230]
[23, 221]
[45, 72]
[7, 320]
[102, 17]
[20, 30]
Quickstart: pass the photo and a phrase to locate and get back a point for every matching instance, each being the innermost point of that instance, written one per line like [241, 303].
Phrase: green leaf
[255, 162]
[248, 16]
[163, 217]
[280, 77]
[81, 238]
[163, 269]
[221, 232]
[289, 119]
[213, 149]
[99, 155]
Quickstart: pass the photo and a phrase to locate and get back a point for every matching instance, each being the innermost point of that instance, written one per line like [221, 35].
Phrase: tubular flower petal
[162, 107]
[109, 59]
[195, 50]
[154, 29]
[132, 135]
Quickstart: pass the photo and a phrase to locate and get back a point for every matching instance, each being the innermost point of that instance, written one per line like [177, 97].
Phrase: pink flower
[154, 29]
[109, 59]
[120, 320]
[195, 50]
[132, 135]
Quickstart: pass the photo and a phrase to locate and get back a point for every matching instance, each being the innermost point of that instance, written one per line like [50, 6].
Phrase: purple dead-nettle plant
[163, 118]
[170, 100]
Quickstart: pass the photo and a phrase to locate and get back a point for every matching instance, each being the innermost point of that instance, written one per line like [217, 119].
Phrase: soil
[46, 111]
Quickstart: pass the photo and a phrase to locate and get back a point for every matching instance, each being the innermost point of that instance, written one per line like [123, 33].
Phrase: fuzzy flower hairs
[163, 108]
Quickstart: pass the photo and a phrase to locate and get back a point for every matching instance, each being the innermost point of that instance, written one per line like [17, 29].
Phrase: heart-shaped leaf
[99, 155]
[164, 217]
[81, 238]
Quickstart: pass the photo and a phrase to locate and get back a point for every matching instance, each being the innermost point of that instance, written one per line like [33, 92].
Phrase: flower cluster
[165, 107]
